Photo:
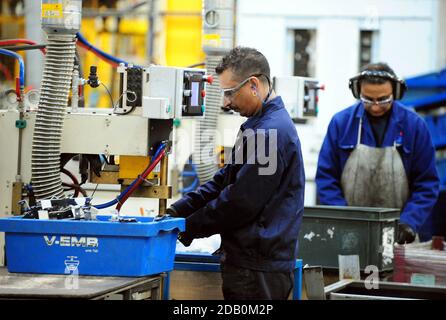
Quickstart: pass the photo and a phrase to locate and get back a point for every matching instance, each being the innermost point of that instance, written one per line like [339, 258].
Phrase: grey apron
[374, 177]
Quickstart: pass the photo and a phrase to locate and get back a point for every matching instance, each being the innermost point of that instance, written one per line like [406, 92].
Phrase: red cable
[6, 72]
[73, 178]
[19, 41]
[17, 89]
[69, 174]
[97, 54]
[141, 179]
[71, 187]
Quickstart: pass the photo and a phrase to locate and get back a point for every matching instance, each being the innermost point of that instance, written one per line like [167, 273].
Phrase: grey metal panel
[356, 213]
[9, 141]
[314, 283]
[108, 134]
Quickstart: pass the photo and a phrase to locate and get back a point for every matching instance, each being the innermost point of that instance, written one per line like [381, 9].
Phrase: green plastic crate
[329, 231]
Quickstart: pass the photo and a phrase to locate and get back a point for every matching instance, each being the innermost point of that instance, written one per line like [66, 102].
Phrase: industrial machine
[170, 92]
[138, 128]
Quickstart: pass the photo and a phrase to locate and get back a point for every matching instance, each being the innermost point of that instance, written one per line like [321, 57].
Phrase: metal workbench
[48, 286]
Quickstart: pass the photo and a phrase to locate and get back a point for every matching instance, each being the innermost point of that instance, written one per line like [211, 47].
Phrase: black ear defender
[399, 85]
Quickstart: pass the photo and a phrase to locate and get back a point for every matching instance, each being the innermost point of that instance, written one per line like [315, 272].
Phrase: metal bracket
[157, 192]
[17, 188]
[21, 124]
[314, 282]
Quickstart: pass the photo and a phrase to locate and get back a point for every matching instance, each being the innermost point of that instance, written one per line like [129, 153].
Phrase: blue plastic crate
[98, 247]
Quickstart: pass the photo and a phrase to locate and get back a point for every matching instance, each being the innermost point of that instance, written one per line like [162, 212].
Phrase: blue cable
[191, 188]
[102, 158]
[102, 53]
[118, 198]
[195, 182]
[21, 64]
[189, 174]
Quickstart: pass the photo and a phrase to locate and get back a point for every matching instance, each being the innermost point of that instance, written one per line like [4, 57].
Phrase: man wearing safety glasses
[378, 153]
[238, 102]
[257, 213]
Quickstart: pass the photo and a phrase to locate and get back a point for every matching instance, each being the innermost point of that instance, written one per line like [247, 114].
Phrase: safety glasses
[229, 93]
[380, 102]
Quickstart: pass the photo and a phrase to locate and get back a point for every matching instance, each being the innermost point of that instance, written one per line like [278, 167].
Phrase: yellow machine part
[12, 27]
[182, 44]
[221, 153]
[129, 43]
[101, 40]
[134, 26]
[130, 167]
[183, 33]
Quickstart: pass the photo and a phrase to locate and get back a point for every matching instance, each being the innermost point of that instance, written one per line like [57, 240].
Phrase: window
[367, 47]
[304, 53]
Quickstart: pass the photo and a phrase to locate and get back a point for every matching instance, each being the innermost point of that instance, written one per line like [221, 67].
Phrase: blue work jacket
[413, 142]
[257, 215]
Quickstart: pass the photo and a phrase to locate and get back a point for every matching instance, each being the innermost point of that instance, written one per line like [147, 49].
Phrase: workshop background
[328, 41]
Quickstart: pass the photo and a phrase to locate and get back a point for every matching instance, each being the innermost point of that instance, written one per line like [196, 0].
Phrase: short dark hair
[379, 66]
[245, 62]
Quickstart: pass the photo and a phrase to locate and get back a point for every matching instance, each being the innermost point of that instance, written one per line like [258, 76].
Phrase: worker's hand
[172, 212]
[405, 234]
[185, 239]
[182, 236]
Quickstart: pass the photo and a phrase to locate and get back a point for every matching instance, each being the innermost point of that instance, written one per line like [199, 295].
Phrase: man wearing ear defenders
[377, 153]
[258, 214]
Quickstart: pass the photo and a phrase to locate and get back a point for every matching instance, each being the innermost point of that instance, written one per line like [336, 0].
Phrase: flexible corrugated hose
[56, 84]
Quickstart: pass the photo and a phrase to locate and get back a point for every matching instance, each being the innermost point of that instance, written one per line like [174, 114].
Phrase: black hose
[109, 95]
[26, 47]
[196, 65]
[126, 112]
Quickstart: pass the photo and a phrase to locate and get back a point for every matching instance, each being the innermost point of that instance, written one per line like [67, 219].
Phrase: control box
[299, 94]
[171, 92]
[164, 92]
[130, 87]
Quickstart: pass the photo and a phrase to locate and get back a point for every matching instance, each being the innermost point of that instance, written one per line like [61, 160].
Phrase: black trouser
[246, 284]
